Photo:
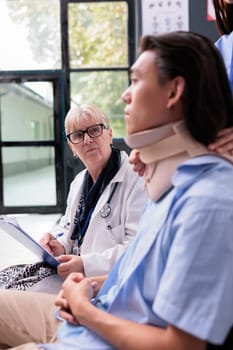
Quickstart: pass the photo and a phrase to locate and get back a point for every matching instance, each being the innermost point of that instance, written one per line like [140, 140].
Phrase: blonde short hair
[87, 111]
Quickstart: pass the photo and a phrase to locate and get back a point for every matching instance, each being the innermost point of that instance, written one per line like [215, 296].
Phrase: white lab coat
[106, 238]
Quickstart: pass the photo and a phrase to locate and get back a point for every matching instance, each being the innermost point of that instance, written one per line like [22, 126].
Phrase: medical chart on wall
[161, 16]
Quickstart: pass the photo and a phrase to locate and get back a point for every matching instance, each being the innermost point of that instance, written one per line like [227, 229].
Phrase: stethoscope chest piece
[105, 211]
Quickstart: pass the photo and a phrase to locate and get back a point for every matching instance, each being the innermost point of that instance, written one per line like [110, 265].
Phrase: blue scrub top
[179, 268]
[225, 46]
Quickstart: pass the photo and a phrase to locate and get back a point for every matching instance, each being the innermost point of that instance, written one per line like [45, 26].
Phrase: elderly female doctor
[104, 202]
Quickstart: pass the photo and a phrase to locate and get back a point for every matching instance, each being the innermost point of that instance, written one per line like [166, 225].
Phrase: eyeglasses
[93, 131]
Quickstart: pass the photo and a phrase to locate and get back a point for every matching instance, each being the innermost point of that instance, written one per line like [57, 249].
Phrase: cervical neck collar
[162, 150]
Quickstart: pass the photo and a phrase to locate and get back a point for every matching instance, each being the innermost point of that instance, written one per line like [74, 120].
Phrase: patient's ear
[176, 90]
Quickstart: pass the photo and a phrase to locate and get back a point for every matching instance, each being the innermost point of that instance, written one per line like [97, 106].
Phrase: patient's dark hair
[224, 16]
[207, 98]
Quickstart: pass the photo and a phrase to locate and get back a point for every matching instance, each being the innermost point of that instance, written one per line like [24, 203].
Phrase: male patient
[172, 289]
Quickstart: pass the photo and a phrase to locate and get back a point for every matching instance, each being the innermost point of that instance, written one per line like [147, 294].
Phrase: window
[55, 54]
[98, 56]
[30, 35]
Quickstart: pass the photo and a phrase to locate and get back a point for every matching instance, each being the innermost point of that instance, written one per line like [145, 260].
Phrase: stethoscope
[106, 210]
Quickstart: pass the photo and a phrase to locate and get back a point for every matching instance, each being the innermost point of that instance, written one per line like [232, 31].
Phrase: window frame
[133, 28]
[55, 78]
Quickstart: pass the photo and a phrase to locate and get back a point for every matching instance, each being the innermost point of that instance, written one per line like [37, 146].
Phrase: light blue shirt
[225, 46]
[179, 268]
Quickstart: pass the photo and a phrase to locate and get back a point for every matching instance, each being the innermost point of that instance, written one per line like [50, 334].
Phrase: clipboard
[12, 227]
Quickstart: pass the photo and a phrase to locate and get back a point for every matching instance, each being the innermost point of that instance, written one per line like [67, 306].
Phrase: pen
[58, 235]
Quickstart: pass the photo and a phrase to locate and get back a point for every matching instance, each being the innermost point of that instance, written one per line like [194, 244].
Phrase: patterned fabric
[24, 276]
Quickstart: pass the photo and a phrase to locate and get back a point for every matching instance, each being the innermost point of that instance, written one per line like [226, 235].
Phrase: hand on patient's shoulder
[224, 142]
[134, 159]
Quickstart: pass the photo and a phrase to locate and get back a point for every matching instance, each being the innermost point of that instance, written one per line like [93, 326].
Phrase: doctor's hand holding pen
[51, 244]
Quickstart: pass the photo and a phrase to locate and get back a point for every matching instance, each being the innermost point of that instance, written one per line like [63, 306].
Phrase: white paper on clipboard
[11, 226]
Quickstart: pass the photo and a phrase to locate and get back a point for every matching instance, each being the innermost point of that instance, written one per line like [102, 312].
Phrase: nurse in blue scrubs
[224, 22]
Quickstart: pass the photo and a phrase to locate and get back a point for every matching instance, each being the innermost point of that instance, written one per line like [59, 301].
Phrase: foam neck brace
[162, 150]
[165, 141]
